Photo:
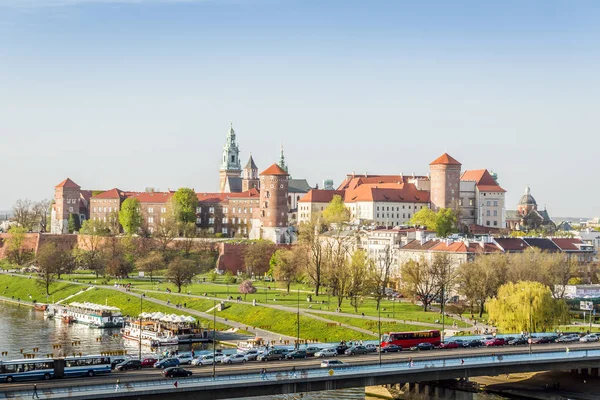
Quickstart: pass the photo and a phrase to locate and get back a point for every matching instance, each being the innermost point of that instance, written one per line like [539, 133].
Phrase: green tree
[185, 202]
[425, 217]
[445, 222]
[361, 272]
[516, 305]
[17, 250]
[130, 216]
[151, 263]
[73, 223]
[480, 279]
[91, 255]
[309, 239]
[284, 267]
[336, 212]
[228, 278]
[47, 259]
[181, 272]
[420, 281]
[256, 257]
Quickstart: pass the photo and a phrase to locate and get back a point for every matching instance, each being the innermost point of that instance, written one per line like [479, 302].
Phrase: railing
[315, 373]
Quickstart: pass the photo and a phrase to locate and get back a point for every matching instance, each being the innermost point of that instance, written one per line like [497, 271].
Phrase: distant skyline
[140, 93]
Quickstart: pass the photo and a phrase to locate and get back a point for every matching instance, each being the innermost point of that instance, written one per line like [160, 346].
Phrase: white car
[589, 338]
[332, 364]
[185, 358]
[207, 359]
[234, 359]
[252, 354]
[330, 352]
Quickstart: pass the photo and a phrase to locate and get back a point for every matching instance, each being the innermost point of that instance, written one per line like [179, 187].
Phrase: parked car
[461, 342]
[356, 350]
[176, 372]
[423, 346]
[332, 364]
[295, 354]
[114, 361]
[167, 363]
[391, 348]
[148, 362]
[589, 338]
[568, 338]
[275, 354]
[518, 341]
[311, 350]
[185, 358]
[449, 345]
[129, 364]
[207, 359]
[234, 359]
[329, 352]
[252, 354]
[341, 348]
[494, 342]
[372, 348]
[474, 343]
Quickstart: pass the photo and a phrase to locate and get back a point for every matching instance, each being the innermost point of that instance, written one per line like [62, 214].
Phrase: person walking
[462, 362]
[35, 392]
[293, 372]
[263, 374]
[117, 386]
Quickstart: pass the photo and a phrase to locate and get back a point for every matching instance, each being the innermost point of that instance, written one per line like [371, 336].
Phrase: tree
[257, 256]
[48, 258]
[336, 213]
[186, 244]
[309, 239]
[24, 214]
[41, 210]
[445, 276]
[165, 233]
[516, 305]
[90, 254]
[420, 281]
[151, 263]
[381, 273]
[445, 222]
[130, 216]
[73, 223]
[425, 217]
[360, 273]
[480, 279]
[246, 288]
[337, 252]
[184, 203]
[284, 268]
[16, 251]
[118, 263]
[181, 272]
[229, 278]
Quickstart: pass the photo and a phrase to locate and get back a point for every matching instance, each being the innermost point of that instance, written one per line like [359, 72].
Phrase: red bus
[411, 339]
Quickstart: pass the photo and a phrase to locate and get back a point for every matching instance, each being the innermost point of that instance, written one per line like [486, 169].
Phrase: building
[445, 181]
[481, 199]
[230, 169]
[69, 200]
[273, 211]
[527, 216]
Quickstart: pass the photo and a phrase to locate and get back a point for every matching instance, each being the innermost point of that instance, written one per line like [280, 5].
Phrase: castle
[249, 204]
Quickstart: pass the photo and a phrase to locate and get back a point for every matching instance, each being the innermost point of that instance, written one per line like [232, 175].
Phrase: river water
[23, 329]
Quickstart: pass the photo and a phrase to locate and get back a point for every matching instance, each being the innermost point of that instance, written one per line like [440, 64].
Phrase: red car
[148, 362]
[494, 342]
[449, 345]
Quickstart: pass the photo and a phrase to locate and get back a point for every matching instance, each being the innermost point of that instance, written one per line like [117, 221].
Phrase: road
[286, 365]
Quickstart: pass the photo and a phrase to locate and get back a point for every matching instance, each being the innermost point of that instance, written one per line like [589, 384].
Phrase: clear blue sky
[136, 93]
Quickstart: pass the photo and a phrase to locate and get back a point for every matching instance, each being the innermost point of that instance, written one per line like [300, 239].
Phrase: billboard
[586, 305]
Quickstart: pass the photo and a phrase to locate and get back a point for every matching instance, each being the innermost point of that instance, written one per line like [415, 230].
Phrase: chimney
[366, 174]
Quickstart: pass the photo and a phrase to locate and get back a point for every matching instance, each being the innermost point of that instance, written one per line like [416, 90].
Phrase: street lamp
[298, 319]
[379, 337]
[530, 321]
[443, 320]
[214, 363]
[140, 321]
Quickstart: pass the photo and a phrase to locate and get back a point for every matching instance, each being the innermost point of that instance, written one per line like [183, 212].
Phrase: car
[589, 338]
[114, 361]
[207, 359]
[251, 354]
[167, 363]
[332, 364]
[341, 348]
[185, 358]
[328, 352]
[391, 348]
[296, 354]
[148, 362]
[372, 348]
[356, 350]
[275, 354]
[517, 341]
[129, 364]
[423, 346]
[311, 350]
[176, 372]
[234, 359]
[568, 338]
[449, 345]
[474, 343]
[494, 342]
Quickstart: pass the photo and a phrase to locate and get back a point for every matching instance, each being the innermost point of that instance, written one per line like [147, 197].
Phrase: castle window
[245, 210]
[94, 209]
[70, 209]
[232, 158]
[281, 186]
[470, 202]
[488, 203]
[225, 210]
[164, 209]
[150, 209]
[250, 210]
[211, 221]
[211, 210]
[495, 223]
[150, 220]
[224, 220]
[487, 213]
[495, 203]
[240, 210]
[487, 223]
[495, 213]
[225, 231]
[198, 210]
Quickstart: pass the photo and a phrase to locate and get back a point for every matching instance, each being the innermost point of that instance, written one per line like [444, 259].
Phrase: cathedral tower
[66, 202]
[250, 175]
[230, 161]
[273, 204]
[444, 181]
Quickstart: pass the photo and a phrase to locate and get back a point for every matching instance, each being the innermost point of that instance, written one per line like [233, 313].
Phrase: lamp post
[140, 321]
[298, 319]
[214, 363]
[530, 321]
[443, 320]
[379, 337]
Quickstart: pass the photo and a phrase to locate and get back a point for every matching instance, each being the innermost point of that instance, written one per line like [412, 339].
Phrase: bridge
[425, 369]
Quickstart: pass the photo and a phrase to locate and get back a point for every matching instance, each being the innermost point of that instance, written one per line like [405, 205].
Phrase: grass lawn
[374, 325]
[22, 287]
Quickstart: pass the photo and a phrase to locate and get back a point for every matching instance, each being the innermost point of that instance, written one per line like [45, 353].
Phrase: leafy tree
[48, 258]
[256, 257]
[361, 270]
[151, 263]
[309, 239]
[336, 212]
[16, 251]
[130, 215]
[384, 261]
[117, 262]
[425, 217]
[186, 244]
[446, 222]
[246, 287]
[181, 272]
[420, 281]
[185, 202]
[24, 214]
[284, 268]
[229, 278]
[212, 276]
[480, 279]
[575, 281]
[90, 254]
[516, 304]
[73, 223]
[166, 231]
[337, 271]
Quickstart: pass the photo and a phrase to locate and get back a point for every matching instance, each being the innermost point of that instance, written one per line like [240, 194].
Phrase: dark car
[114, 361]
[356, 350]
[129, 364]
[391, 348]
[275, 354]
[167, 363]
[295, 354]
[423, 346]
[474, 343]
[545, 339]
[149, 362]
[176, 372]
[518, 341]
[341, 348]
[311, 350]
[449, 345]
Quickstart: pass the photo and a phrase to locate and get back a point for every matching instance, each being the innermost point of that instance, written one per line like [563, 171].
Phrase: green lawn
[22, 287]
[373, 326]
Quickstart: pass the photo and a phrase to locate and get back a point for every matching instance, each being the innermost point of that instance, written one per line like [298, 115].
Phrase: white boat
[94, 315]
[164, 330]
[256, 343]
[149, 336]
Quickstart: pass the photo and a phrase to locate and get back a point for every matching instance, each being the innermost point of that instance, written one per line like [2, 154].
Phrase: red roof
[68, 183]
[511, 244]
[445, 159]
[402, 193]
[566, 244]
[483, 179]
[274, 170]
[110, 194]
[320, 196]
[150, 197]
[224, 197]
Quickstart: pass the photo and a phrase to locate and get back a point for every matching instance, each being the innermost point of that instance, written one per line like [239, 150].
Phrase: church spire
[281, 162]
[230, 160]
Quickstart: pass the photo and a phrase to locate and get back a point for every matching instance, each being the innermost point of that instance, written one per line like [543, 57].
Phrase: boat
[158, 329]
[94, 315]
[40, 307]
[257, 343]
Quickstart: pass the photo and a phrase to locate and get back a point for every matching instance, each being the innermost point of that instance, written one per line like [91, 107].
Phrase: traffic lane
[285, 365]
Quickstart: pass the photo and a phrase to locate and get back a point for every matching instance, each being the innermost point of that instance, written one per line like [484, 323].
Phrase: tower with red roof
[66, 201]
[445, 181]
[272, 222]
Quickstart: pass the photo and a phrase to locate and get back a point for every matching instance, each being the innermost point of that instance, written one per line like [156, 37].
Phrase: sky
[140, 93]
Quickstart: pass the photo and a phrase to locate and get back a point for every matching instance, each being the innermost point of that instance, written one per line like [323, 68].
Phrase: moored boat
[94, 315]
[158, 329]
[40, 307]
